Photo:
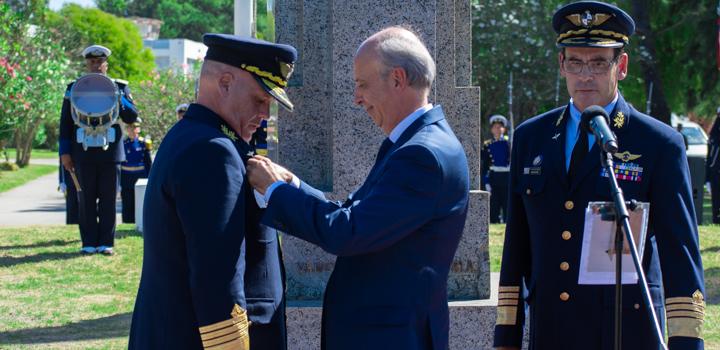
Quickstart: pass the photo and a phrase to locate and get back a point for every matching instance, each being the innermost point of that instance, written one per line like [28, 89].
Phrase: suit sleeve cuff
[64, 146]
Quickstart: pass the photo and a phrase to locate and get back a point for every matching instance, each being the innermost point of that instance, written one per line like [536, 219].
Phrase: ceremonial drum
[94, 101]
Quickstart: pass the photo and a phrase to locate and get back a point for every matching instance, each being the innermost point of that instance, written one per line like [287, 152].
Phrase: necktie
[578, 153]
[383, 149]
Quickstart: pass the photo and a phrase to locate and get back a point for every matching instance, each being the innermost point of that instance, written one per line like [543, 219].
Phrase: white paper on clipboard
[597, 259]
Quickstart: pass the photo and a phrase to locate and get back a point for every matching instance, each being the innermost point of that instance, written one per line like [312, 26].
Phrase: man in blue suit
[555, 171]
[212, 274]
[395, 237]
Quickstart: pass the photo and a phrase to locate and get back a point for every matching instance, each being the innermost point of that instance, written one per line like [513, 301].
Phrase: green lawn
[710, 251]
[51, 297]
[36, 154]
[12, 179]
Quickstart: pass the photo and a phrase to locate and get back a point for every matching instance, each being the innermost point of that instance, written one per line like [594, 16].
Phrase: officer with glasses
[555, 171]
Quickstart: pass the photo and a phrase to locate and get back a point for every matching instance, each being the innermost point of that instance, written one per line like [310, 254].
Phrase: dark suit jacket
[205, 250]
[544, 236]
[395, 239]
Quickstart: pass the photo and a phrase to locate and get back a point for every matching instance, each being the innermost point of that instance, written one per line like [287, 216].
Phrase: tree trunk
[659, 107]
[23, 143]
[3, 149]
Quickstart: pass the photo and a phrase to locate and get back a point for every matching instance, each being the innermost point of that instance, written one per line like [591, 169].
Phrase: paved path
[36, 203]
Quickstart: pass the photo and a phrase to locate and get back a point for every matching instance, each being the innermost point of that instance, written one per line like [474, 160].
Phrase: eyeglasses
[595, 66]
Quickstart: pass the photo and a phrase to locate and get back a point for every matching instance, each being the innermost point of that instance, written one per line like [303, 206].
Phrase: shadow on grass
[106, 327]
[119, 234]
[712, 294]
[53, 243]
[710, 250]
[8, 261]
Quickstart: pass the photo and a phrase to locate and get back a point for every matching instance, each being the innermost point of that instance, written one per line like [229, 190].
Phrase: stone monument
[331, 143]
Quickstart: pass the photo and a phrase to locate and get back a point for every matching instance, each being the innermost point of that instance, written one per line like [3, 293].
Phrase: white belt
[500, 169]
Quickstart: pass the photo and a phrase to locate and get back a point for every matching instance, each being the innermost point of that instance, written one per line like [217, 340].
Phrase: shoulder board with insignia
[120, 81]
[487, 142]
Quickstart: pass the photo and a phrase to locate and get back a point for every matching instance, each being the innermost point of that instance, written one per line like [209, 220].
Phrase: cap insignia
[286, 69]
[587, 19]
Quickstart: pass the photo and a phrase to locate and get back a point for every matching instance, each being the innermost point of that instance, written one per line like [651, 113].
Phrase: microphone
[595, 119]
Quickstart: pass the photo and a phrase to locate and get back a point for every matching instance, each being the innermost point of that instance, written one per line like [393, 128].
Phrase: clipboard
[597, 258]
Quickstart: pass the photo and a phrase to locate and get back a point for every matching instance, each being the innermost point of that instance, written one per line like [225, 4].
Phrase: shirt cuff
[295, 182]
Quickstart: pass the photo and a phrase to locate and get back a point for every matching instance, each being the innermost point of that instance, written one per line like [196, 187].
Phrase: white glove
[488, 188]
[707, 187]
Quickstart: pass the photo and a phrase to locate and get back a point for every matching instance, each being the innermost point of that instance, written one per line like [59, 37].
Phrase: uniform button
[566, 235]
[528, 191]
[564, 266]
[564, 296]
[569, 205]
[637, 306]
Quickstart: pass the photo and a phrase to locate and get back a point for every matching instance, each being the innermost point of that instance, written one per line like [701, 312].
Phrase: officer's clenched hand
[67, 162]
[262, 173]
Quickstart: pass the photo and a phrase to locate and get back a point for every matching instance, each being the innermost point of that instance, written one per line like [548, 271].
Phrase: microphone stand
[622, 220]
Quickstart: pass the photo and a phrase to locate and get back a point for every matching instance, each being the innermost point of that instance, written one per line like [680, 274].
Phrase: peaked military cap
[592, 24]
[497, 118]
[96, 51]
[271, 64]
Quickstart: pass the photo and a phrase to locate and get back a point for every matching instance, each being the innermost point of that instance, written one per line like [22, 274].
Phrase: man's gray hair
[401, 48]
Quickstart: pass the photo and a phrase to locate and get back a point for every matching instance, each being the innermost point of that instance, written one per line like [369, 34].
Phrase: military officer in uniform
[96, 168]
[209, 266]
[495, 164]
[555, 171]
[136, 166]
[712, 169]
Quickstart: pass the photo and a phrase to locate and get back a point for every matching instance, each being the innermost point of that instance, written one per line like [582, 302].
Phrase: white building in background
[178, 54]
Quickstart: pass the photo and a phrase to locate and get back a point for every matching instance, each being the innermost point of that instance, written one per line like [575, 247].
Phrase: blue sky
[57, 4]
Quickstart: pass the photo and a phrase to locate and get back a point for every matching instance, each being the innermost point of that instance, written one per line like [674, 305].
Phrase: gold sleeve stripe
[220, 325]
[685, 307]
[507, 302]
[683, 300]
[221, 340]
[509, 289]
[506, 316]
[508, 295]
[237, 344]
[685, 327]
[692, 314]
[222, 332]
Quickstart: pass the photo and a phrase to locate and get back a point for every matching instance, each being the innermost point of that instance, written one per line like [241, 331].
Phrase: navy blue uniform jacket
[205, 250]
[395, 238]
[544, 236]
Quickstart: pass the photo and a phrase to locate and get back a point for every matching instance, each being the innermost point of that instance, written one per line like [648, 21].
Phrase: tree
[82, 27]
[32, 79]
[160, 95]
[181, 19]
[516, 36]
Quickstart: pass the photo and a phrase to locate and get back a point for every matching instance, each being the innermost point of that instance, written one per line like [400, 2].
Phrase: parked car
[696, 137]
